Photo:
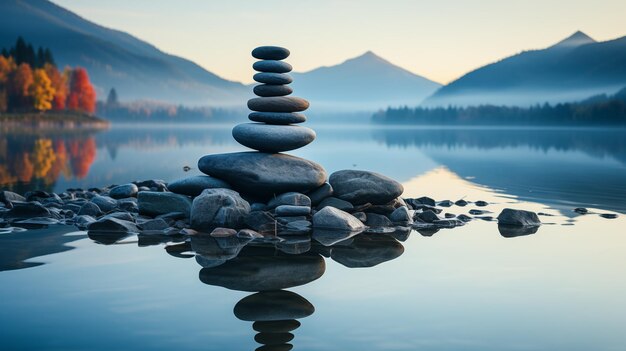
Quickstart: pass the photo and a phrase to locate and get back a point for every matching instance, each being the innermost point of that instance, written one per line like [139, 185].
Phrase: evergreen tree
[112, 100]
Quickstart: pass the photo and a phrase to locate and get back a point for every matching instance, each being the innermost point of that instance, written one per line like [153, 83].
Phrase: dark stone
[128, 204]
[425, 200]
[375, 220]
[123, 191]
[319, 194]
[273, 78]
[264, 174]
[112, 225]
[23, 210]
[367, 251]
[427, 216]
[332, 218]
[154, 225]
[269, 90]
[290, 198]
[481, 203]
[477, 212]
[278, 118]
[359, 187]
[273, 306]
[272, 138]
[427, 208]
[280, 326]
[336, 203]
[272, 66]
[82, 221]
[449, 215]
[273, 338]
[270, 53]
[193, 186]
[608, 215]
[261, 221]
[361, 216]
[265, 272]
[401, 215]
[157, 184]
[581, 210]
[278, 104]
[513, 217]
[155, 203]
[428, 232]
[90, 209]
[290, 210]
[461, 203]
[446, 203]
[105, 203]
[218, 208]
[464, 218]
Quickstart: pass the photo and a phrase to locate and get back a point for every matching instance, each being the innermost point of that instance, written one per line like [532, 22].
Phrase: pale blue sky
[438, 39]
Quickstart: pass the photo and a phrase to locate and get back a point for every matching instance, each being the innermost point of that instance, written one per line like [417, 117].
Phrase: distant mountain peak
[368, 56]
[577, 39]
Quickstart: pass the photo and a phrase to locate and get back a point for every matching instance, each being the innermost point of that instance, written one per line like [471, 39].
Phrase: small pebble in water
[608, 215]
[581, 210]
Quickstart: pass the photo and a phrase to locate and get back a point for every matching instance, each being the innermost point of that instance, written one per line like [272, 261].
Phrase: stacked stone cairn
[264, 195]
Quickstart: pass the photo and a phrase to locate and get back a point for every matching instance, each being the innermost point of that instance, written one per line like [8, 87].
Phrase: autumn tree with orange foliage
[41, 91]
[20, 81]
[82, 95]
[59, 83]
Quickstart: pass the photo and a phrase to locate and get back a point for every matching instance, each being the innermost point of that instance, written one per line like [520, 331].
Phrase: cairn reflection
[269, 265]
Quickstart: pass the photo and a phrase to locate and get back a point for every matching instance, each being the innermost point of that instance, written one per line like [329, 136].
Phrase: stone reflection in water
[214, 251]
[510, 231]
[275, 315]
[367, 250]
[264, 269]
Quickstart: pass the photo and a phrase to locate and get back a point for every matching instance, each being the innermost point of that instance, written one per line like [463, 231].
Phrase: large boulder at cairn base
[360, 187]
[262, 174]
[272, 138]
[218, 208]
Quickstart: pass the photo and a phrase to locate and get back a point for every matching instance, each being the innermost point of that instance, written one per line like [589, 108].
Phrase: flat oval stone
[267, 90]
[272, 66]
[272, 138]
[273, 78]
[270, 53]
[264, 174]
[282, 326]
[277, 117]
[278, 104]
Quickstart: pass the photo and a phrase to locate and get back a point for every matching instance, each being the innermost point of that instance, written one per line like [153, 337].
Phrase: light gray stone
[278, 104]
[332, 218]
[218, 208]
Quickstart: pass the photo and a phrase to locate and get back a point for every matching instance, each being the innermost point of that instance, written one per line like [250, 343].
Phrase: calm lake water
[469, 288]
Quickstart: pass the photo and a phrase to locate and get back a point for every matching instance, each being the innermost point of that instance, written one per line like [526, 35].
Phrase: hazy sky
[440, 40]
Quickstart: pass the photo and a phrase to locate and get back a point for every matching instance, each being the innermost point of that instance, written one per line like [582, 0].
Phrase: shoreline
[50, 121]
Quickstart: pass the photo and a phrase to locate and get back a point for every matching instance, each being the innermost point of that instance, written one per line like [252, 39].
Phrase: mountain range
[571, 70]
[114, 59]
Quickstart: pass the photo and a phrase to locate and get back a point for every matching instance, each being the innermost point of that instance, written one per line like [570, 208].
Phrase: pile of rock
[268, 172]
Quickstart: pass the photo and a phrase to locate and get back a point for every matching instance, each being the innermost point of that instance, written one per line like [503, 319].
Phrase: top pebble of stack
[270, 53]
